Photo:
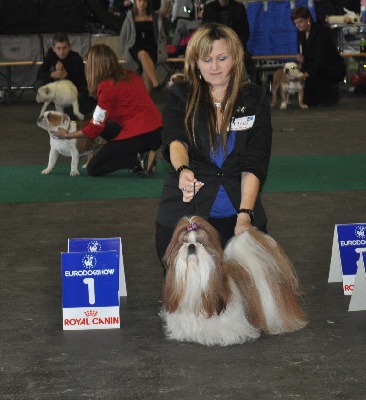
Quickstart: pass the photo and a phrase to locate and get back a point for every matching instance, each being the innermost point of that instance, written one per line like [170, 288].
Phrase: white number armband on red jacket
[99, 116]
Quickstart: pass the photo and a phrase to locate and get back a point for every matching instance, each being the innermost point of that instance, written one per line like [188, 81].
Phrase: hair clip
[192, 227]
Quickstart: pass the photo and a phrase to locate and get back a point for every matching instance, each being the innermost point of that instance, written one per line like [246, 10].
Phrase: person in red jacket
[125, 116]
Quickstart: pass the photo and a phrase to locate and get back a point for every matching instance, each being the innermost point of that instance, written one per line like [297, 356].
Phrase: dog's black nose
[191, 249]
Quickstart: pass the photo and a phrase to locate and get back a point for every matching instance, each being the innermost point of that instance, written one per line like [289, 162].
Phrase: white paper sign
[358, 299]
[348, 241]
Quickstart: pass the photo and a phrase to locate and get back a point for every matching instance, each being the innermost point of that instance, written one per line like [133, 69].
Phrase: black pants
[225, 227]
[323, 87]
[121, 154]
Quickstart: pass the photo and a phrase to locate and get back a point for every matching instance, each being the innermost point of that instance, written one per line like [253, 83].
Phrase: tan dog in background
[51, 121]
[175, 78]
[288, 81]
[62, 93]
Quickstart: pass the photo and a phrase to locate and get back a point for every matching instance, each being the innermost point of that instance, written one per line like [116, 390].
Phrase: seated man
[63, 63]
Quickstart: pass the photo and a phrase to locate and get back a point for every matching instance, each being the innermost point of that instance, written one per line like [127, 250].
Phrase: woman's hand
[62, 133]
[59, 72]
[188, 185]
[300, 58]
[242, 224]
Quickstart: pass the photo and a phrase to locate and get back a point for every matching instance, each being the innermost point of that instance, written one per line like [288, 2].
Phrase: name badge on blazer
[242, 123]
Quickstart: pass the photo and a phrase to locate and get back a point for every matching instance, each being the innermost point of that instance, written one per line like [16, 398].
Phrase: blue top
[222, 206]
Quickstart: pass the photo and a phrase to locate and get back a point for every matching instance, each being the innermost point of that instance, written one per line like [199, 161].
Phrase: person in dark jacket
[233, 14]
[61, 62]
[217, 136]
[321, 63]
[229, 13]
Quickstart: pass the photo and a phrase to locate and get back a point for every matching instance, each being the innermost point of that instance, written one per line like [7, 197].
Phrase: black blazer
[251, 153]
[320, 53]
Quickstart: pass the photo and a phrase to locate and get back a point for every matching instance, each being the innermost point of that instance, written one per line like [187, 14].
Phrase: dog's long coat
[221, 298]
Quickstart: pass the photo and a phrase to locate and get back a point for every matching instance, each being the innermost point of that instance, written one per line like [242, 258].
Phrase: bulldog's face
[52, 120]
[292, 70]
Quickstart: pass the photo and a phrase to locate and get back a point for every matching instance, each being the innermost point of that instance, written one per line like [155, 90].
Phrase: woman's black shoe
[156, 89]
[148, 164]
[139, 165]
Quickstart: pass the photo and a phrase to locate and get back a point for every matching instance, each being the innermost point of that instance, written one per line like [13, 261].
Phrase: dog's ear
[65, 119]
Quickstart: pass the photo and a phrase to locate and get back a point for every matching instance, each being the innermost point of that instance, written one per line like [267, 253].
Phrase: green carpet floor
[20, 184]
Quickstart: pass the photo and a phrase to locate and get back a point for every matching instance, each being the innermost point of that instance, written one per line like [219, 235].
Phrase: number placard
[102, 244]
[90, 290]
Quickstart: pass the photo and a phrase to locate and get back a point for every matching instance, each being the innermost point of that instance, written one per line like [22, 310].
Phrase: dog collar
[52, 133]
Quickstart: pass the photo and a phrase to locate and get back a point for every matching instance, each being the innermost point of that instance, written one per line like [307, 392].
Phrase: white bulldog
[287, 79]
[62, 93]
[350, 17]
[51, 121]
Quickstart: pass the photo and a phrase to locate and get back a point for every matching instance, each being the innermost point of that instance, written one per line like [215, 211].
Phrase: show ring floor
[319, 159]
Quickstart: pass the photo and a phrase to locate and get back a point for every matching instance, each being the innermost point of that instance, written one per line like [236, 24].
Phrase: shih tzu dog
[223, 297]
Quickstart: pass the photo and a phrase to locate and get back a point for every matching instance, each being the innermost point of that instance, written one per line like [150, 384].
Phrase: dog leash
[195, 198]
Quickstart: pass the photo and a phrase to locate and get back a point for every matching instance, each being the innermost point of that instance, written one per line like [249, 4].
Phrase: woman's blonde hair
[199, 47]
[102, 64]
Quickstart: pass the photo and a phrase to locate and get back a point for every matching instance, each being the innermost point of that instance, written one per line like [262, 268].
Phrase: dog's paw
[84, 165]
[46, 171]
[304, 106]
[74, 173]
[283, 106]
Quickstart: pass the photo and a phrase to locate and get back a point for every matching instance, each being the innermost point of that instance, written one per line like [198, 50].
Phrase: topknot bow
[192, 227]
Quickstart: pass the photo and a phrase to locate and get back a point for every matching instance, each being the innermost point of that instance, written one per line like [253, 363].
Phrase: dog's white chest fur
[292, 87]
[64, 147]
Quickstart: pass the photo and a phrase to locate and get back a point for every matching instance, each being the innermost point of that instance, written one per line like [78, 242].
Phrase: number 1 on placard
[91, 291]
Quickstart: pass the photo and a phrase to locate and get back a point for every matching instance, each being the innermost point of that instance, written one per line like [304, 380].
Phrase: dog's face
[194, 260]
[60, 92]
[52, 120]
[292, 71]
[175, 78]
[194, 242]
[45, 93]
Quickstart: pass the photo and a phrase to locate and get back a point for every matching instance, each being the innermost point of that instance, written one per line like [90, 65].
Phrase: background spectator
[61, 62]
[143, 42]
[323, 67]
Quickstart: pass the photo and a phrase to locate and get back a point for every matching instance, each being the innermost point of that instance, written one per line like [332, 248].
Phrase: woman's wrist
[180, 169]
[248, 212]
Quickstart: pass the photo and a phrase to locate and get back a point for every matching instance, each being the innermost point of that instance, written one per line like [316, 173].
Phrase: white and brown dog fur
[175, 78]
[62, 93]
[287, 81]
[51, 121]
[223, 297]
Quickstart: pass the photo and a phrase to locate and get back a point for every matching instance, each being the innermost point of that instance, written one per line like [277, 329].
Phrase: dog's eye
[49, 116]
